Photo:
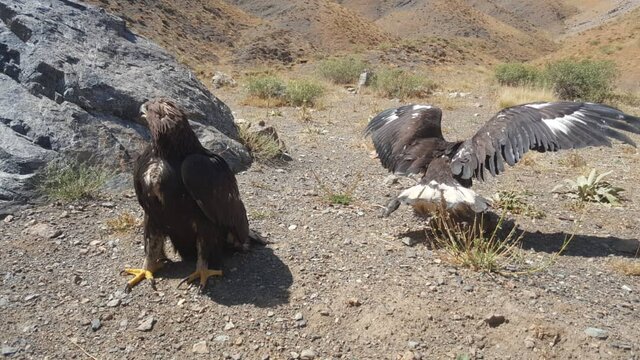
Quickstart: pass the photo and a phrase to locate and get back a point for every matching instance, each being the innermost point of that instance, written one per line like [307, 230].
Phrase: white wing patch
[538, 106]
[418, 107]
[390, 118]
[435, 192]
[564, 123]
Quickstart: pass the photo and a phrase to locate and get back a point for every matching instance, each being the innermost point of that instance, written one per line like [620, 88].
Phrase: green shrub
[516, 74]
[303, 92]
[69, 182]
[397, 83]
[266, 87]
[344, 70]
[586, 80]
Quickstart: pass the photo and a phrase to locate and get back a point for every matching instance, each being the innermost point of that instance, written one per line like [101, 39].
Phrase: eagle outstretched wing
[212, 184]
[394, 131]
[542, 127]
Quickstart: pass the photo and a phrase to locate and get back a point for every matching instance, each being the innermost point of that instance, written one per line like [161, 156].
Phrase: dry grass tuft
[342, 196]
[125, 222]
[508, 96]
[470, 245]
[629, 267]
[515, 203]
[263, 147]
[573, 160]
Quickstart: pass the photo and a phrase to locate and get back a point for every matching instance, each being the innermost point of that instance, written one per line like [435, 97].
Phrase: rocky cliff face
[72, 79]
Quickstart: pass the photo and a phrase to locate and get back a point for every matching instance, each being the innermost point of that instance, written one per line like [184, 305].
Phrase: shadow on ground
[256, 277]
[580, 245]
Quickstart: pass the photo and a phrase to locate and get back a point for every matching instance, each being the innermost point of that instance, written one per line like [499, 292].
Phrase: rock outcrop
[72, 78]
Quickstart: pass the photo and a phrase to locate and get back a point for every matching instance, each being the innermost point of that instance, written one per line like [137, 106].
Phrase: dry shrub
[124, 223]
[629, 267]
[510, 96]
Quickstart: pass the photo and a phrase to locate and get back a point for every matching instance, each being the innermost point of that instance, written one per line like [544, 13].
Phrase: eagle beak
[142, 119]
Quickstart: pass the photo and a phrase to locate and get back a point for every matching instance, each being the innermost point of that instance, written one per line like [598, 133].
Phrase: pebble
[408, 241]
[221, 338]
[298, 316]
[293, 227]
[596, 333]
[308, 354]
[494, 320]
[529, 343]
[229, 326]
[44, 230]
[8, 350]
[270, 314]
[8, 219]
[413, 344]
[96, 324]
[31, 297]
[410, 253]
[146, 324]
[626, 288]
[113, 303]
[200, 348]
[324, 312]
[294, 355]
[468, 288]
[529, 294]
[353, 302]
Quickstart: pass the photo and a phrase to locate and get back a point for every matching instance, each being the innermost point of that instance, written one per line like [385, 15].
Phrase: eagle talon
[203, 275]
[139, 275]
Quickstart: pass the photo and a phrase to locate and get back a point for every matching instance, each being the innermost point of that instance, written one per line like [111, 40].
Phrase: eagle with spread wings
[409, 140]
[188, 194]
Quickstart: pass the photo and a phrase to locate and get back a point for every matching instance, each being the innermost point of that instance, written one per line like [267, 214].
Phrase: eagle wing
[212, 184]
[542, 127]
[394, 130]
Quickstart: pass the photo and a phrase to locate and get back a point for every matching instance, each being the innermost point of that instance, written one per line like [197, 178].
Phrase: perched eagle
[409, 140]
[188, 194]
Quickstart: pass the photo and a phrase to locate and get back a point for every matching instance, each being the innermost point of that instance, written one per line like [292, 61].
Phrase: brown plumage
[188, 194]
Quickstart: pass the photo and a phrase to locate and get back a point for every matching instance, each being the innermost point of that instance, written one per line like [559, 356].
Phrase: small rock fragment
[626, 288]
[95, 324]
[8, 350]
[44, 231]
[408, 241]
[293, 227]
[221, 338]
[113, 303]
[494, 320]
[308, 354]
[596, 333]
[229, 326]
[146, 324]
[353, 302]
[298, 316]
[413, 344]
[200, 348]
[529, 343]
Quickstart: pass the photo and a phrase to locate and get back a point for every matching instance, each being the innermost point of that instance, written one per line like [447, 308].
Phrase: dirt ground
[337, 282]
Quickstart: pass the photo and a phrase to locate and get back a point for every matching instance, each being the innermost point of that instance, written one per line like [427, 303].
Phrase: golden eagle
[188, 194]
[409, 140]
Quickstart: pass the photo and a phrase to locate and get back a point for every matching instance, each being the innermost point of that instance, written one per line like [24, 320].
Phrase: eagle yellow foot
[139, 275]
[203, 274]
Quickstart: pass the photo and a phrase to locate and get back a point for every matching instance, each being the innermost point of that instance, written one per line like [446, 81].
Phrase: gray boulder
[72, 79]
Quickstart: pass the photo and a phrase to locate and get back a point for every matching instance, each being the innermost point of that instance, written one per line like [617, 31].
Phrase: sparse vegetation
[398, 83]
[340, 197]
[586, 80]
[266, 87]
[629, 267]
[69, 182]
[303, 92]
[510, 96]
[124, 223]
[573, 160]
[469, 246]
[514, 203]
[342, 70]
[592, 188]
[517, 74]
[263, 147]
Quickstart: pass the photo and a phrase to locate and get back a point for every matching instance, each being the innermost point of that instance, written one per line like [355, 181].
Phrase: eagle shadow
[580, 245]
[255, 277]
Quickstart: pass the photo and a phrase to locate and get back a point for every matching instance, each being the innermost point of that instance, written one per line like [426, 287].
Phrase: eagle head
[167, 124]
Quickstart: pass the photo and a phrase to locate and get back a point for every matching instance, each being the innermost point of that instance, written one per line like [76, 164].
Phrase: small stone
[44, 231]
[8, 350]
[108, 204]
[410, 253]
[408, 241]
[236, 356]
[95, 324]
[239, 341]
[31, 297]
[229, 326]
[221, 338]
[529, 294]
[468, 288]
[181, 302]
[626, 288]
[390, 180]
[298, 316]
[301, 323]
[494, 320]
[308, 354]
[408, 355]
[294, 355]
[293, 227]
[596, 333]
[353, 302]
[324, 312]
[8, 218]
[113, 303]
[200, 348]
[413, 344]
[146, 324]
[270, 314]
